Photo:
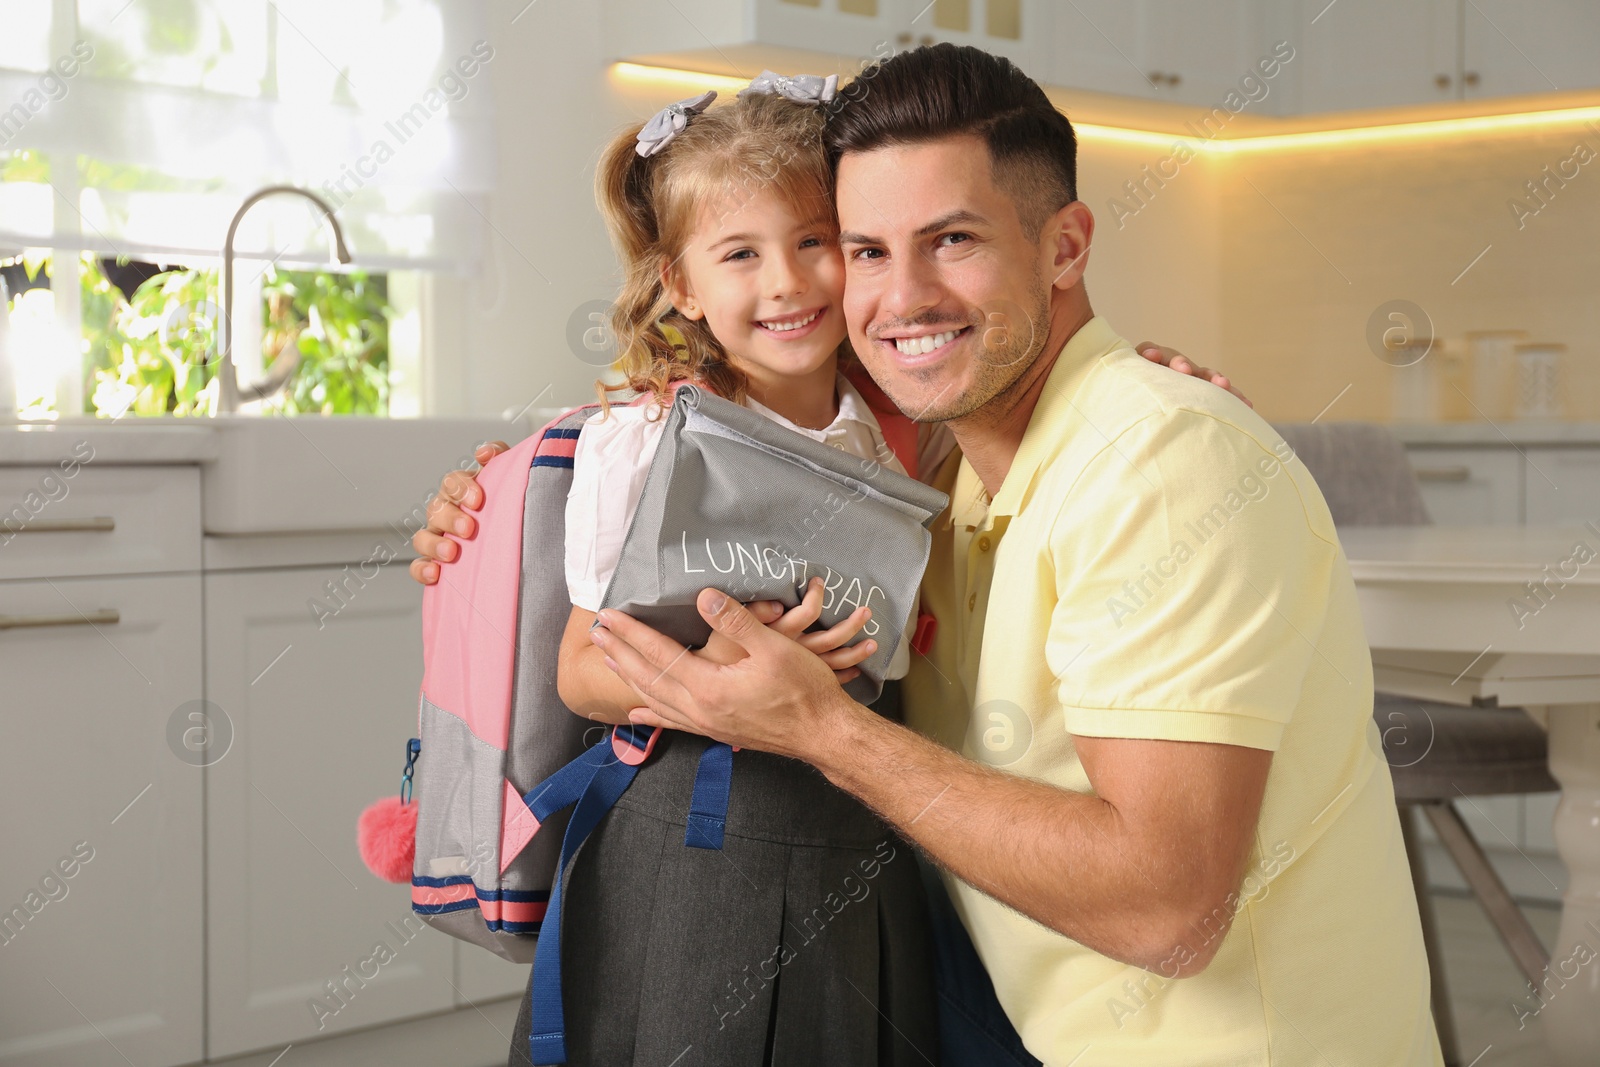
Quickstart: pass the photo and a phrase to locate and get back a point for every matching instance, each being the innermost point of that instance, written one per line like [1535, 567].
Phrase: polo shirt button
[972, 602]
[983, 544]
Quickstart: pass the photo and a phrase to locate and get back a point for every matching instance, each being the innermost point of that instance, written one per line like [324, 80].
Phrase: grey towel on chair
[1362, 471]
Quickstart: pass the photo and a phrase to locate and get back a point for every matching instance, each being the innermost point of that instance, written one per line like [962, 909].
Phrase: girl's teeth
[785, 327]
[921, 346]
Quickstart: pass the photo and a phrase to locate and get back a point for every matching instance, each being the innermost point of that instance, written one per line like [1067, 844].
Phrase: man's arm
[1141, 871]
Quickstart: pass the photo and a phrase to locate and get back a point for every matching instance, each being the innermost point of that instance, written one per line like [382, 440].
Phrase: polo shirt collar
[1053, 417]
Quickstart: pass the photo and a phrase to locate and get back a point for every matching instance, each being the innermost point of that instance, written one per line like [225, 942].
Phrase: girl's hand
[828, 645]
[1172, 359]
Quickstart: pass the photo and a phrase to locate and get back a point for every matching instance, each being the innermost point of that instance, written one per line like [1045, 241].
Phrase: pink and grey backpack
[507, 781]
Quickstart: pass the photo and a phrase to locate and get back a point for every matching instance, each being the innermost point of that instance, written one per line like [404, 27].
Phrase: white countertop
[267, 474]
[124, 442]
[1498, 434]
[1472, 554]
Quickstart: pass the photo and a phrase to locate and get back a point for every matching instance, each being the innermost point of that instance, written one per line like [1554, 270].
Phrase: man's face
[947, 296]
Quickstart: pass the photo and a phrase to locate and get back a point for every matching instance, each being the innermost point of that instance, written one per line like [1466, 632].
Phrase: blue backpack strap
[708, 808]
[596, 780]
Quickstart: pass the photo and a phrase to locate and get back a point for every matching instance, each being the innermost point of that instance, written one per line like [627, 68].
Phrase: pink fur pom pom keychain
[386, 833]
[387, 836]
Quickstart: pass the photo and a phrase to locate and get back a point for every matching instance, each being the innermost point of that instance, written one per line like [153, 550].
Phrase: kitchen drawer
[1470, 486]
[78, 519]
[1563, 485]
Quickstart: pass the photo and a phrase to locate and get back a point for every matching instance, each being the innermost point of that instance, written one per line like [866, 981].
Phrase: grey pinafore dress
[804, 941]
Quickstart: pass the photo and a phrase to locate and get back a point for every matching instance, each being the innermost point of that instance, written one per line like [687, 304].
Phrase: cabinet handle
[1173, 80]
[1443, 474]
[1470, 79]
[925, 39]
[105, 616]
[98, 524]
[1442, 80]
[903, 37]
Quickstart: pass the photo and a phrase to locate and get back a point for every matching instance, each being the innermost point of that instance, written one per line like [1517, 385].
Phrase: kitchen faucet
[230, 394]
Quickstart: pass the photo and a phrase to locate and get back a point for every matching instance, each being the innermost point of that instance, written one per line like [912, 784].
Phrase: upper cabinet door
[1214, 54]
[851, 29]
[1100, 45]
[1376, 53]
[1529, 46]
[1010, 28]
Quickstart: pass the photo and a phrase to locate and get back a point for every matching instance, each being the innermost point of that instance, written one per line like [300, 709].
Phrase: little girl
[803, 940]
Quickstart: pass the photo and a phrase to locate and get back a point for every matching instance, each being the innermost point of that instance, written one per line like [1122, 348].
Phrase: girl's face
[769, 284]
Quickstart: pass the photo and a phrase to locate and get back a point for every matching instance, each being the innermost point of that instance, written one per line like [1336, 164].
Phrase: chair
[1366, 478]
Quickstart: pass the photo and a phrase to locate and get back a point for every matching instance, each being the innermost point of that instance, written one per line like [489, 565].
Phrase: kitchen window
[131, 132]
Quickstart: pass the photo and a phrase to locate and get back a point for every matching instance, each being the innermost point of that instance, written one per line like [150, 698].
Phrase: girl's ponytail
[655, 344]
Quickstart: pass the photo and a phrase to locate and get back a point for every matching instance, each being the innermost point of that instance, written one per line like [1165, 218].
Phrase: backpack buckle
[633, 744]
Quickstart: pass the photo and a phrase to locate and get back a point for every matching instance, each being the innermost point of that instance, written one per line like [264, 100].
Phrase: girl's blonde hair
[651, 206]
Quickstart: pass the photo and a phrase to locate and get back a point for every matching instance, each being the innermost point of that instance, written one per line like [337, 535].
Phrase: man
[1192, 854]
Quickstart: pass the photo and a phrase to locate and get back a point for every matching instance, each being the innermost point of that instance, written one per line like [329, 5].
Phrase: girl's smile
[795, 326]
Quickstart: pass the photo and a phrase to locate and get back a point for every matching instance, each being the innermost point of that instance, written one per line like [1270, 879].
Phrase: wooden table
[1510, 613]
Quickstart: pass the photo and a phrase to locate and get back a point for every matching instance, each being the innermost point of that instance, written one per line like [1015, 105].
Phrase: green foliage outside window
[156, 350]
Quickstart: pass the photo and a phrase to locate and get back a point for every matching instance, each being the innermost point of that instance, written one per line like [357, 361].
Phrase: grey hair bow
[801, 88]
[670, 121]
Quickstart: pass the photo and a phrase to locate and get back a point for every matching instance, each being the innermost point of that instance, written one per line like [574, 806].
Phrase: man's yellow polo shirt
[1158, 565]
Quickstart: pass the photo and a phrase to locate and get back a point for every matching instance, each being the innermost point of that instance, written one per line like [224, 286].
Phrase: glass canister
[1493, 357]
[1539, 380]
[1415, 382]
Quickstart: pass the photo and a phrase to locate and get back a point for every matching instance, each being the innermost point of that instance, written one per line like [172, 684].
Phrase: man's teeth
[921, 346]
[785, 327]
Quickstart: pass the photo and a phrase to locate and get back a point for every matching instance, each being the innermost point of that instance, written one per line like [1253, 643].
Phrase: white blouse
[612, 458]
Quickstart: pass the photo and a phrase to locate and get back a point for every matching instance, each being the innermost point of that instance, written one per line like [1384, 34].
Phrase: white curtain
[137, 126]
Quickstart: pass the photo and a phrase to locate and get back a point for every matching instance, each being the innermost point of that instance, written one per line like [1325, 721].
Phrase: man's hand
[778, 698]
[458, 491]
[829, 644]
[1172, 359]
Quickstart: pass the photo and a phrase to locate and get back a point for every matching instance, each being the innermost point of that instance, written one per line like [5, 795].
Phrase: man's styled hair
[946, 90]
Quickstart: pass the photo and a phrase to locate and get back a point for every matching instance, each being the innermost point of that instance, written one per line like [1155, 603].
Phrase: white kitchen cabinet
[1100, 45]
[814, 36]
[1173, 50]
[1201, 53]
[1470, 486]
[76, 518]
[1346, 55]
[103, 967]
[1510, 47]
[1563, 485]
[322, 710]
[1377, 53]
[1010, 28]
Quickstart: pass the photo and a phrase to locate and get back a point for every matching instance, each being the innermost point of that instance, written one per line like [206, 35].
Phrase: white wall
[498, 340]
